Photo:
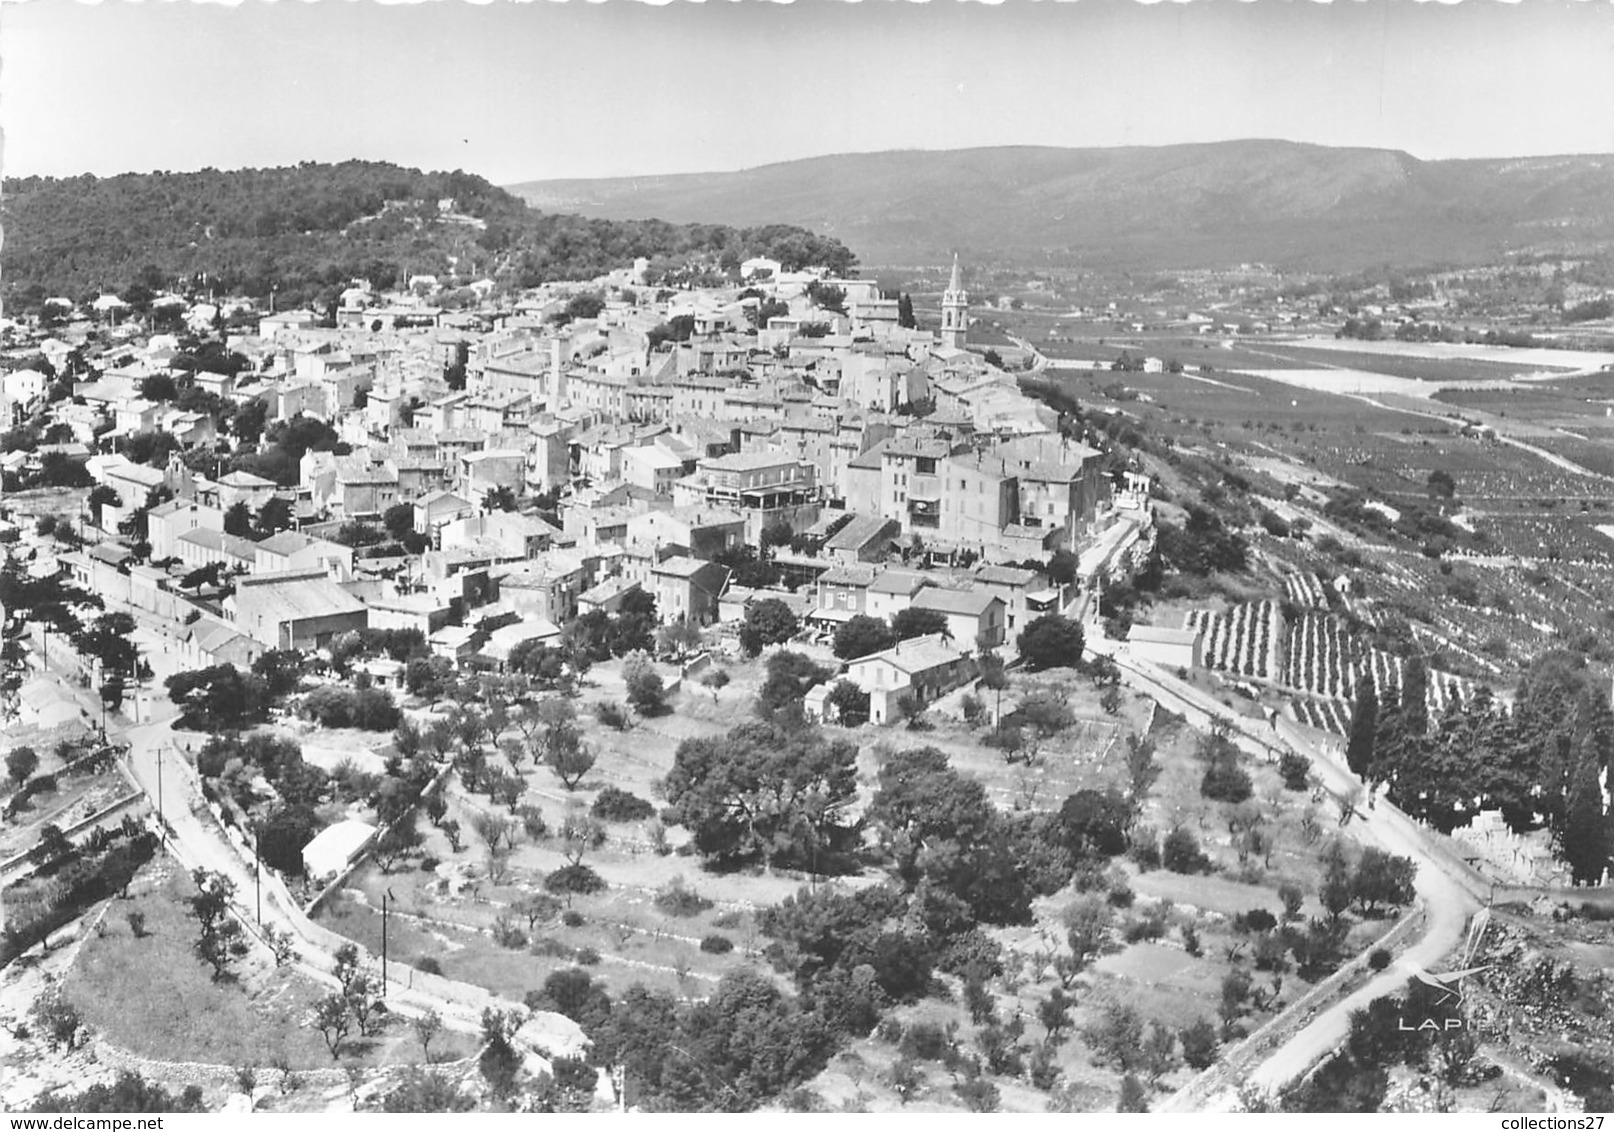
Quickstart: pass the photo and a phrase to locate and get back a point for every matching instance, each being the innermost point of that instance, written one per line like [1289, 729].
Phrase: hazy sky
[533, 90]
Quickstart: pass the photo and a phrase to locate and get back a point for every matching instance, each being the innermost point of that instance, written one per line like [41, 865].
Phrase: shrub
[575, 880]
[587, 957]
[1146, 928]
[676, 899]
[429, 965]
[572, 918]
[1226, 781]
[506, 933]
[1255, 920]
[1379, 960]
[1145, 851]
[717, 945]
[1181, 853]
[546, 948]
[972, 707]
[1190, 941]
[612, 715]
[1295, 769]
[428, 864]
[926, 1041]
[1199, 1044]
[617, 805]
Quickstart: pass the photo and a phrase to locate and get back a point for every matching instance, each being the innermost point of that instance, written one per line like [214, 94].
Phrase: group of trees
[1542, 762]
[773, 791]
[1203, 544]
[303, 232]
[71, 877]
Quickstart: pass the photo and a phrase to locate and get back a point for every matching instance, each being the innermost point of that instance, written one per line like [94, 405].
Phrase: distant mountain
[1284, 203]
[305, 231]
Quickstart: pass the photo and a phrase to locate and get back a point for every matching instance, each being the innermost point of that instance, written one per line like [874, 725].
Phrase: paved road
[154, 765]
[1447, 898]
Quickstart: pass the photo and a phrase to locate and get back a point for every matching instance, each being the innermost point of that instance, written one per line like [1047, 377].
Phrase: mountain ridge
[1295, 204]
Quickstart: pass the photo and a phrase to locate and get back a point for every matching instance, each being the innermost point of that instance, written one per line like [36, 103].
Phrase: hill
[306, 230]
[1292, 205]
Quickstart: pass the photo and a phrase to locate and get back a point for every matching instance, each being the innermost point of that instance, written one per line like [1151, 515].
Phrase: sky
[538, 90]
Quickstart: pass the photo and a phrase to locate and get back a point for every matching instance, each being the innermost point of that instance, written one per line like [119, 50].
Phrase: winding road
[1449, 897]
[157, 766]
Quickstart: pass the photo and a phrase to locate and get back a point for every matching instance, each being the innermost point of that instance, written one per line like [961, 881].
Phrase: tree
[1584, 839]
[647, 693]
[862, 635]
[943, 833]
[101, 496]
[1199, 1044]
[1087, 923]
[715, 681]
[57, 1019]
[565, 753]
[1051, 641]
[274, 516]
[790, 676]
[281, 835]
[1134, 1097]
[21, 762]
[777, 533]
[500, 1063]
[1116, 1035]
[1054, 1014]
[1415, 697]
[1336, 891]
[110, 640]
[401, 838]
[850, 703]
[129, 1093]
[221, 940]
[911, 622]
[220, 698]
[678, 639]
[905, 315]
[1141, 769]
[1441, 485]
[767, 622]
[1295, 770]
[772, 790]
[238, 519]
[1380, 878]
[501, 498]
[1096, 822]
[332, 1020]
[1181, 853]
[424, 1091]
[1160, 1052]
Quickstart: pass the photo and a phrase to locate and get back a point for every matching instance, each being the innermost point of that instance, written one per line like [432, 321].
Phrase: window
[925, 466]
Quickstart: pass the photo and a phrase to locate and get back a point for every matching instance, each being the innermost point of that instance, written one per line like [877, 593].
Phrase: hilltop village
[485, 476]
[464, 695]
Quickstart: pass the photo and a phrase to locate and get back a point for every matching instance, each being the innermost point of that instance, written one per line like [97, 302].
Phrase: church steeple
[955, 310]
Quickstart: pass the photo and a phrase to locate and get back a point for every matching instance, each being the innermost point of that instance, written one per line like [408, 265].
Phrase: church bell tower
[955, 310]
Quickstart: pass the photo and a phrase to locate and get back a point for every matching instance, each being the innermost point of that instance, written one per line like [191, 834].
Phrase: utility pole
[160, 819]
[386, 899]
[257, 875]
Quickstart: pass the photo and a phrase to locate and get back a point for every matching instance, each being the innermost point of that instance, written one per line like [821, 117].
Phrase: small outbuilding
[1169, 648]
[335, 847]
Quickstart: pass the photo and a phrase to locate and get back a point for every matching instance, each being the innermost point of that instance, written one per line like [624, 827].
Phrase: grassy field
[152, 996]
[1433, 369]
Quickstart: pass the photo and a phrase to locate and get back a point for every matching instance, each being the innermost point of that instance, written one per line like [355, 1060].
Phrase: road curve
[1448, 898]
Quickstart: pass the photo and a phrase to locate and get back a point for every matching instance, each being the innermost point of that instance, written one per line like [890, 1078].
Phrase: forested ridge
[305, 229]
